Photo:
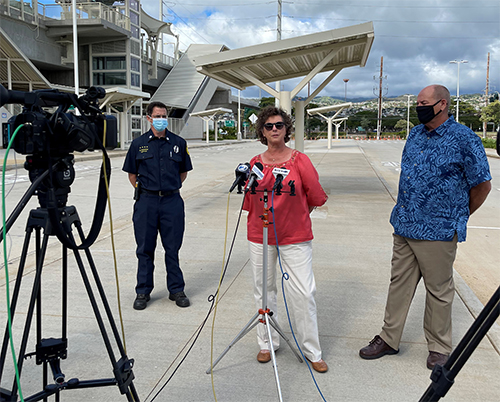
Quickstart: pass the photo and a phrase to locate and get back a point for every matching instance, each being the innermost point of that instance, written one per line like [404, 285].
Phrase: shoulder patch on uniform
[187, 150]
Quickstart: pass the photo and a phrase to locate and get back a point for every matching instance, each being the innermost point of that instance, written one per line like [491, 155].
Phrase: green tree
[467, 115]
[401, 125]
[356, 120]
[365, 123]
[266, 101]
[491, 113]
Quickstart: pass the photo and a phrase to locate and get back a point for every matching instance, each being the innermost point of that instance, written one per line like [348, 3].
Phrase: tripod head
[60, 178]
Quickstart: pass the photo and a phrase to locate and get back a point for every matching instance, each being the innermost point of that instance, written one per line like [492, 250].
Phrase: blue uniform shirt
[158, 162]
[438, 169]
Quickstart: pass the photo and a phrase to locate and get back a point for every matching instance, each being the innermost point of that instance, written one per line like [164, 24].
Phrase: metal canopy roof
[211, 112]
[326, 109]
[120, 95]
[153, 26]
[290, 58]
[22, 71]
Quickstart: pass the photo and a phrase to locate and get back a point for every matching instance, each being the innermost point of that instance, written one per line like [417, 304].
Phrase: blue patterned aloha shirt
[438, 169]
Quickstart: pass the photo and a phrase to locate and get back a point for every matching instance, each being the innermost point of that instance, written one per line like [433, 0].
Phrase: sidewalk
[352, 252]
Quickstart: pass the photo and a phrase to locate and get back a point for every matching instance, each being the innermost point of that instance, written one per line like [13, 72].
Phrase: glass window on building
[135, 31]
[110, 78]
[134, 5]
[134, 18]
[135, 80]
[135, 64]
[136, 124]
[109, 63]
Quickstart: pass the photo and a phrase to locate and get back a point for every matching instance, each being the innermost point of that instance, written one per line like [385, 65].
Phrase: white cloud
[416, 39]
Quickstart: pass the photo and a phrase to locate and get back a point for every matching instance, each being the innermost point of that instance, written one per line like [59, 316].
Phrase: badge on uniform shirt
[176, 149]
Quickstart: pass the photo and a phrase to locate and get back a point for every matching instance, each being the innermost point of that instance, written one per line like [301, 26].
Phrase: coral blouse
[291, 217]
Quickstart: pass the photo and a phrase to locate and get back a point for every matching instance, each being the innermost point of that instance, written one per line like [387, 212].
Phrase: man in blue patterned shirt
[444, 178]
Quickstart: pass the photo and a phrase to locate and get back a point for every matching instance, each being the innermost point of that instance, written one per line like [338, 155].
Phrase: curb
[475, 307]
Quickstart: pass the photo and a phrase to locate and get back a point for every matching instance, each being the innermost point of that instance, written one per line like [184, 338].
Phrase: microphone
[255, 175]
[280, 175]
[241, 172]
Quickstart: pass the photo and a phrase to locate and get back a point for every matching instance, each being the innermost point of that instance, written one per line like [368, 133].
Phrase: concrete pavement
[352, 251]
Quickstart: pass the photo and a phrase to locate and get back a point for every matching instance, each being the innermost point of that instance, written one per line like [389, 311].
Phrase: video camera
[60, 132]
[48, 133]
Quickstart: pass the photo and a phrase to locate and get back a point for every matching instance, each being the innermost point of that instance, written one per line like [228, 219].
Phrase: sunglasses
[269, 126]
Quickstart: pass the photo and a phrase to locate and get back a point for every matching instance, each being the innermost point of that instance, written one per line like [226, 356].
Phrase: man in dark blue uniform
[157, 163]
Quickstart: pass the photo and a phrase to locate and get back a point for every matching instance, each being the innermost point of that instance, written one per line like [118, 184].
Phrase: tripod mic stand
[50, 351]
[265, 312]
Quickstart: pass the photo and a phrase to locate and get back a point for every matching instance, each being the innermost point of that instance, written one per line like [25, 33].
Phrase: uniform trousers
[300, 289]
[411, 260]
[155, 215]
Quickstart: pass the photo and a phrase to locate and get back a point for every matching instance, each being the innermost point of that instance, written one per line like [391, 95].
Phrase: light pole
[346, 80]
[408, 118]
[457, 62]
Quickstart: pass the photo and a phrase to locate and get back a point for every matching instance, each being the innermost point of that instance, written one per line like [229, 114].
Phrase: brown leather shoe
[319, 366]
[264, 356]
[377, 348]
[436, 358]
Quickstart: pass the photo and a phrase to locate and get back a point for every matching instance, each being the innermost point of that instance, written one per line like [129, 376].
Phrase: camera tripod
[50, 351]
[443, 377]
[264, 312]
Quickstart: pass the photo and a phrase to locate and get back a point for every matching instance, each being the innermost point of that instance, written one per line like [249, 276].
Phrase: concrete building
[117, 49]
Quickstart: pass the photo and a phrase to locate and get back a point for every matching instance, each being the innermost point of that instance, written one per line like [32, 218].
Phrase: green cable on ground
[4, 232]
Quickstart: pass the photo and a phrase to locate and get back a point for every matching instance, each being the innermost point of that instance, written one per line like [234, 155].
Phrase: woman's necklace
[278, 156]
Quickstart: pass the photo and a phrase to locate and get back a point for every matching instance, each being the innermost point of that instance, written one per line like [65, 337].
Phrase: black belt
[158, 192]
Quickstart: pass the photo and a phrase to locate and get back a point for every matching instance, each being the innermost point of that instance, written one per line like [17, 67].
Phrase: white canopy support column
[299, 125]
[211, 114]
[338, 123]
[325, 109]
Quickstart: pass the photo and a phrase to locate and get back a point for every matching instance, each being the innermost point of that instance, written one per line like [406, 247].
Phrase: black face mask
[426, 113]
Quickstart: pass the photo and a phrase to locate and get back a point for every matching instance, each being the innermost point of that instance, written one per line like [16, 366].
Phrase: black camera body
[62, 131]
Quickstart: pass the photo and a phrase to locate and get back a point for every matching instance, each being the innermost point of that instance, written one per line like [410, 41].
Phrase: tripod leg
[123, 368]
[273, 355]
[15, 296]
[33, 299]
[246, 329]
[278, 329]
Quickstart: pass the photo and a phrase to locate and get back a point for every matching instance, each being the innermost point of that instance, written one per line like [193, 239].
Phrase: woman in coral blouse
[292, 224]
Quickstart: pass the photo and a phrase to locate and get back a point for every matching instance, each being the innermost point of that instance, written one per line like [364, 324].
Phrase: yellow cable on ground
[113, 242]
[7, 290]
[217, 301]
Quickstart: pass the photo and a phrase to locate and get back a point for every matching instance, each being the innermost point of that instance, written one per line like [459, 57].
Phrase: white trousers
[300, 288]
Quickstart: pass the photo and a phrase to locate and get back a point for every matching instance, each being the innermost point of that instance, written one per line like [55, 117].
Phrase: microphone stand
[265, 312]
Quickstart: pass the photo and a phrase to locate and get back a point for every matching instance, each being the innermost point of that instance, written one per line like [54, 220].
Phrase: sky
[417, 39]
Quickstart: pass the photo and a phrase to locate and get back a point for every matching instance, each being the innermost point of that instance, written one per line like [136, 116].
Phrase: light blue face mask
[160, 124]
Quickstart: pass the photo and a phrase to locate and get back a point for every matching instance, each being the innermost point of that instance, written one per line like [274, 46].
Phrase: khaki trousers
[300, 289]
[412, 260]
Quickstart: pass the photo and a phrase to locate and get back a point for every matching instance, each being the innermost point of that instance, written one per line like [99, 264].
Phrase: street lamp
[408, 117]
[346, 80]
[457, 62]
